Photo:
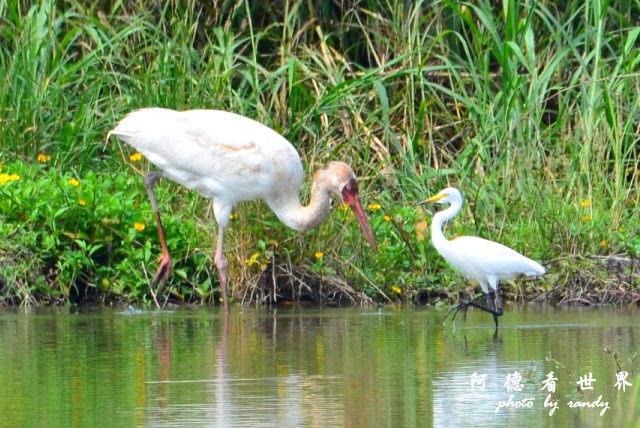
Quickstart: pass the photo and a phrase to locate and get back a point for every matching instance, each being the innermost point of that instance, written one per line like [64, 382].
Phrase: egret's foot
[465, 305]
[455, 310]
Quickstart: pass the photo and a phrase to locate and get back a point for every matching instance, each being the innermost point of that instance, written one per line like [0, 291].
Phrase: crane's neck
[299, 217]
[437, 237]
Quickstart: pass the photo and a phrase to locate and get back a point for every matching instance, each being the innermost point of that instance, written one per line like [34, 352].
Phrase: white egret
[230, 158]
[484, 261]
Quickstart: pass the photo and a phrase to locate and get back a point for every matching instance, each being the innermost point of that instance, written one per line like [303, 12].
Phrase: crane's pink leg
[221, 264]
[164, 269]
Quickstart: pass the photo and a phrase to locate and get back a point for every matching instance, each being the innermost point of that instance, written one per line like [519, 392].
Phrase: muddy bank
[585, 281]
[591, 280]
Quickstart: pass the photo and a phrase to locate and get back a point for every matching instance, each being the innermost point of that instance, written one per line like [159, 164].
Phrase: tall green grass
[530, 109]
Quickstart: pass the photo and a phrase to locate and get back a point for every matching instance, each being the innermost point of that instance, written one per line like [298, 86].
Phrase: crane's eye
[350, 190]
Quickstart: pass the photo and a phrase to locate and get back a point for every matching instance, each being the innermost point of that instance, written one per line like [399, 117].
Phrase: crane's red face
[350, 197]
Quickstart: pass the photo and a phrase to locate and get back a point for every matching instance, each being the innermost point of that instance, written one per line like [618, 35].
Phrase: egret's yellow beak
[434, 198]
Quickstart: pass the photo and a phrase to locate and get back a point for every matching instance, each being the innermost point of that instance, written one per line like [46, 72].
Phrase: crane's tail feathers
[120, 134]
[106, 140]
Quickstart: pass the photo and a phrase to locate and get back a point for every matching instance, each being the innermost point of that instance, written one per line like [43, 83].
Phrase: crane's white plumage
[221, 155]
[230, 158]
[484, 261]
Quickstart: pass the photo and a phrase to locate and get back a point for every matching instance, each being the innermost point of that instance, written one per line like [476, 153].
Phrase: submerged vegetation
[530, 109]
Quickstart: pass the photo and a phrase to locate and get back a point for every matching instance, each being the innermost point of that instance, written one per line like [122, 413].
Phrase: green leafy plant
[530, 109]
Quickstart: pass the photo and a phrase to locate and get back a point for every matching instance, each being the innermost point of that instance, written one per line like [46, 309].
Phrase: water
[308, 368]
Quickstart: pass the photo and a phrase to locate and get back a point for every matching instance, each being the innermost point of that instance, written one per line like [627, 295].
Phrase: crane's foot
[221, 264]
[161, 277]
[223, 289]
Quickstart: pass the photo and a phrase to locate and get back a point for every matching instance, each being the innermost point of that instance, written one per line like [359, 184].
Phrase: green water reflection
[103, 367]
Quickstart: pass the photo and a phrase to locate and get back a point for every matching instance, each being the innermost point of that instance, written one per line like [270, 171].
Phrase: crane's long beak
[351, 198]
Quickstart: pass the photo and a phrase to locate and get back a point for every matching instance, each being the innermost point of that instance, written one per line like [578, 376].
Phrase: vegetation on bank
[531, 110]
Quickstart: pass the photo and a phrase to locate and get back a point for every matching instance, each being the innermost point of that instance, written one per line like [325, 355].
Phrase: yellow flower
[4, 178]
[43, 158]
[135, 157]
[73, 182]
[345, 207]
[233, 216]
[82, 202]
[139, 226]
[585, 203]
[319, 255]
[587, 218]
[375, 207]
[396, 289]
[603, 243]
[387, 217]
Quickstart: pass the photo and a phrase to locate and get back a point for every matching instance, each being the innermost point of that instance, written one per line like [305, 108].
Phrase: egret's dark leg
[491, 308]
[164, 269]
[465, 306]
[495, 306]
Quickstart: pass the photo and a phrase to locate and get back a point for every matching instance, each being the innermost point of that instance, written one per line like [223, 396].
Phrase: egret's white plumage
[230, 158]
[484, 261]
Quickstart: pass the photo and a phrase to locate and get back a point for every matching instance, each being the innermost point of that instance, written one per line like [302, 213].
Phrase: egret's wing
[481, 258]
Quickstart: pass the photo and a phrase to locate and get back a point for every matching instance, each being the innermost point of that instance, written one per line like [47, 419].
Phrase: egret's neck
[437, 237]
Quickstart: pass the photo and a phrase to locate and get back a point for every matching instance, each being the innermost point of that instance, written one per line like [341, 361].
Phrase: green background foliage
[530, 109]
